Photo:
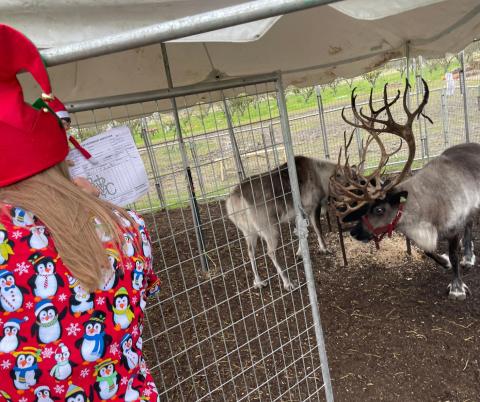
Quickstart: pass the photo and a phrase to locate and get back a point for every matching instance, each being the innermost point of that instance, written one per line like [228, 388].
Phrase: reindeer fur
[259, 204]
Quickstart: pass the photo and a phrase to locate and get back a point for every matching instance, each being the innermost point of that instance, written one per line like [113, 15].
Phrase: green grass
[195, 122]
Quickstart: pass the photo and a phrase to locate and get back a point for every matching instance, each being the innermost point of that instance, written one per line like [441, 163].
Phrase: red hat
[31, 140]
[61, 111]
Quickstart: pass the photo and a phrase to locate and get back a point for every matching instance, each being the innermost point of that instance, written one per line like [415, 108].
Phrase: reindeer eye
[379, 211]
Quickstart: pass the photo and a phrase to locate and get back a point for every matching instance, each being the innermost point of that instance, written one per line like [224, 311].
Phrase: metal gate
[209, 334]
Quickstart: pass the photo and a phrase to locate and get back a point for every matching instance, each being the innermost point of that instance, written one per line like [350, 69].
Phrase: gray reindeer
[259, 204]
[438, 202]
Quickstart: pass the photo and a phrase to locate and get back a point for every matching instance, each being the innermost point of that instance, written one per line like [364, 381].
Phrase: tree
[372, 77]
[333, 85]
[239, 104]
[350, 82]
[306, 92]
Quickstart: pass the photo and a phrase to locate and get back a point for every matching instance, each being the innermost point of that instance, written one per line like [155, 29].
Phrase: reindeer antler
[350, 188]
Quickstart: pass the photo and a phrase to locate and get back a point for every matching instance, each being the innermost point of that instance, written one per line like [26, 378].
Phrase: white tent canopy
[317, 45]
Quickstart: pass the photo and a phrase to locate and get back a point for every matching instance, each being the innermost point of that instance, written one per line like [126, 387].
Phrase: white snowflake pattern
[73, 329]
[47, 353]
[84, 373]
[29, 305]
[5, 365]
[135, 330]
[1, 321]
[124, 381]
[147, 392]
[129, 266]
[23, 400]
[134, 300]
[59, 389]
[100, 301]
[114, 349]
[16, 235]
[22, 268]
[62, 297]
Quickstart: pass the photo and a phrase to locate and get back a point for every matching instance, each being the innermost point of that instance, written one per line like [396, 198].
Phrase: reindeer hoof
[259, 284]
[457, 290]
[447, 265]
[468, 262]
[290, 286]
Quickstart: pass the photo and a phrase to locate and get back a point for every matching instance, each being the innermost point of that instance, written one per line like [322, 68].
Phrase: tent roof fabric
[344, 39]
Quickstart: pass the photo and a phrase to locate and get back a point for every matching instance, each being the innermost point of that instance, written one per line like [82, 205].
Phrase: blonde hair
[72, 217]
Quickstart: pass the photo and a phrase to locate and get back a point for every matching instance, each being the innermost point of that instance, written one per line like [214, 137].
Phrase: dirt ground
[391, 333]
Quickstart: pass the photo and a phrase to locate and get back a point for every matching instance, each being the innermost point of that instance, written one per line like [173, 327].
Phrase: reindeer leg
[252, 245]
[271, 237]
[441, 259]
[468, 259]
[317, 226]
[457, 289]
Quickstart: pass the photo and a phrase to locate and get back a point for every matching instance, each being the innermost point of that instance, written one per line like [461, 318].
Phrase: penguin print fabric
[57, 340]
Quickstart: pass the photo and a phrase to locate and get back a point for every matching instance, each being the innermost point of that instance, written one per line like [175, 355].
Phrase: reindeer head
[376, 204]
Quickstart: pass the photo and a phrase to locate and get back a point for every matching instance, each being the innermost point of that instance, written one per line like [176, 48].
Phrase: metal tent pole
[179, 28]
[233, 141]
[302, 230]
[321, 116]
[463, 87]
[191, 188]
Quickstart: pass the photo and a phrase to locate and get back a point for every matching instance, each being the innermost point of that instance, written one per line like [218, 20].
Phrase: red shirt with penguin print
[60, 342]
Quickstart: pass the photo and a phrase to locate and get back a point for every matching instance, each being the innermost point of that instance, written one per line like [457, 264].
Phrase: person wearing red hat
[56, 277]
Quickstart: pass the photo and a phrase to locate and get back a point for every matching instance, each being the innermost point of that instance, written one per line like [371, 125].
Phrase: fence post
[153, 163]
[233, 141]
[321, 116]
[302, 230]
[196, 162]
[271, 132]
[190, 186]
[446, 141]
[463, 88]
[420, 90]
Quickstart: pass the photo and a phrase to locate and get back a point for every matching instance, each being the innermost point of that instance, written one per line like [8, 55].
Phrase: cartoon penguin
[26, 373]
[47, 326]
[146, 246]
[138, 273]
[46, 281]
[80, 301]
[138, 220]
[37, 239]
[143, 300]
[6, 245]
[114, 274]
[94, 341]
[11, 295]
[132, 394]
[76, 394]
[129, 357]
[10, 339]
[21, 218]
[43, 394]
[122, 313]
[107, 379]
[139, 343]
[63, 368]
[128, 247]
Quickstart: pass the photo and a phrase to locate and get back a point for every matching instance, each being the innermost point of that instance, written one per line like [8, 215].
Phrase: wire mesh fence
[209, 335]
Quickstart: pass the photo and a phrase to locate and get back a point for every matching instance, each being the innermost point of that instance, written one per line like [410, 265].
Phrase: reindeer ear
[397, 198]
[356, 215]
